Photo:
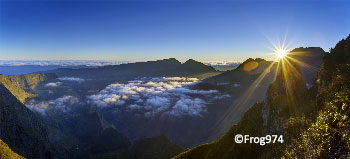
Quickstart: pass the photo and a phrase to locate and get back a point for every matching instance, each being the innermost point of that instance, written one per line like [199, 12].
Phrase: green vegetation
[17, 91]
[23, 86]
[7, 153]
[29, 82]
[328, 136]
[315, 122]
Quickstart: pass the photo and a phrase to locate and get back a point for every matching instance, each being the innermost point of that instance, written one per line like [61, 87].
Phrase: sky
[136, 30]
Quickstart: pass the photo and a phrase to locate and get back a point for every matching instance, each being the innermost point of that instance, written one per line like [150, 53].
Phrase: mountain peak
[191, 61]
[195, 65]
[169, 60]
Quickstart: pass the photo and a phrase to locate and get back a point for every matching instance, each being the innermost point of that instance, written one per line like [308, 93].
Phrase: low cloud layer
[62, 104]
[53, 84]
[223, 63]
[156, 96]
[60, 62]
[71, 79]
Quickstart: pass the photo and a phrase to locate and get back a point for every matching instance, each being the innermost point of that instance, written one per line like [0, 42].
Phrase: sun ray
[302, 64]
[239, 103]
[280, 65]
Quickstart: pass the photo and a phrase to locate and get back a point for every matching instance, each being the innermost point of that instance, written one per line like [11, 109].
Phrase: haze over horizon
[142, 31]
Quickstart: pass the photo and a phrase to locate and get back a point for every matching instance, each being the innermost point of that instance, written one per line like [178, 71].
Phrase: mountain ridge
[313, 121]
[166, 67]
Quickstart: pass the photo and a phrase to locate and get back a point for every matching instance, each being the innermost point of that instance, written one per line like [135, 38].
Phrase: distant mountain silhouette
[166, 67]
[310, 59]
[245, 73]
[195, 66]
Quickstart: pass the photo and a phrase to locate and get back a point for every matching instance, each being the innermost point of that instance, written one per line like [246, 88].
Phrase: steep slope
[29, 82]
[314, 122]
[17, 91]
[328, 135]
[23, 86]
[21, 129]
[7, 153]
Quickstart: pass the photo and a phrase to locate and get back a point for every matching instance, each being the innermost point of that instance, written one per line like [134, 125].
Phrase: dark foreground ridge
[21, 129]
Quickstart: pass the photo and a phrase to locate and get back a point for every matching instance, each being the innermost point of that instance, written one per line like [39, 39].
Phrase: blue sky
[208, 30]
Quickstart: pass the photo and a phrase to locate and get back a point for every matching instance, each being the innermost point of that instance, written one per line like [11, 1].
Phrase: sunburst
[281, 53]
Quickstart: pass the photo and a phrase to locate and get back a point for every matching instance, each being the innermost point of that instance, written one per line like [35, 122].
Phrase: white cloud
[159, 95]
[72, 79]
[223, 63]
[63, 104]
[188, 106]
[64, 101]
[53, 84]
[39, 107]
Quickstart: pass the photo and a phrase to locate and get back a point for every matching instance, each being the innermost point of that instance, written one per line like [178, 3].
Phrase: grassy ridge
[21, 86]
[16, 90]
[7, 153]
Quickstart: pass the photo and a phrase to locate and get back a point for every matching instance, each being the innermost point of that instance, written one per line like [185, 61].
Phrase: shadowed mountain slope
[21, 129]
[158, 147]
[310, 61]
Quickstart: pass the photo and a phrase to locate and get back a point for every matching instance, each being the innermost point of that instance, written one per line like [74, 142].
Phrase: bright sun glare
[280, 53]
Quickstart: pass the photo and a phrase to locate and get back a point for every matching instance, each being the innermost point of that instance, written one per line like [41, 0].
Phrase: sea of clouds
[90, 62]
[61, 62]
[148, 97]
[169, 96]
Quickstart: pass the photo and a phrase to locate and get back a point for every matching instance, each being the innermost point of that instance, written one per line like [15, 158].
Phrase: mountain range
[97, 112]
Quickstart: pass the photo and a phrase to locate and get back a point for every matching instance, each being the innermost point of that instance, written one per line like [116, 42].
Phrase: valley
[126, 106]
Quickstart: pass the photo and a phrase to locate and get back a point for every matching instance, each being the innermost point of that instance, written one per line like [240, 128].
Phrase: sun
[281, 53]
